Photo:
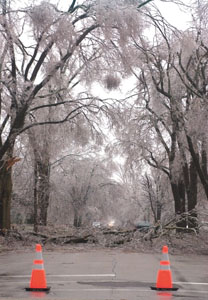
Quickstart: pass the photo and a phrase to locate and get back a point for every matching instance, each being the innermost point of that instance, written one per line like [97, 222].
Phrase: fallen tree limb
[44, 236]
[71, 239]
[117, 232]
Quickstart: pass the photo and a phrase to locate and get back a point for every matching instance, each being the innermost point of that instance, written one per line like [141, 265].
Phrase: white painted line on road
[191, 283]
[14, 276]
[48, 281]
[111, 289]
[195, 291]
[103, 290]
[124, 290]
[63, 275]
[83, 275]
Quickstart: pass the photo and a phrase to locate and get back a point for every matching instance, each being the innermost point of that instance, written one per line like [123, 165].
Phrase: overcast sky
[177, 16]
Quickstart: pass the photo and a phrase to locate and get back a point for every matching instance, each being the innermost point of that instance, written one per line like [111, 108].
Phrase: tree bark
[44, 191]
[204, 157]
[35, 200]
[41, 192]
[5, 197]
[178, 190]
[192, 197]
[77, 219]
[195, 157]
[6, 189]
[41, 179]
[158, 210]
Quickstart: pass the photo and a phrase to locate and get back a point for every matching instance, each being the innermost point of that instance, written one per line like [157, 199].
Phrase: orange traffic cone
[38, 278]
[164, 275]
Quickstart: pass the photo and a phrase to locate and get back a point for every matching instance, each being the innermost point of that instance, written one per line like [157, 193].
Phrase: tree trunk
[204, 157]
[190, 181]
[178, 190]
[5, 197]
[77, 219]
[44, 191]
[158, 210]
[195, 157]
[192, 197]
[6, 190]
[41, 192]
[36, 221]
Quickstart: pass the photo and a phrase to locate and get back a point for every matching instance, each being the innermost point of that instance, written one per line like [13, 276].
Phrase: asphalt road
[102, 275]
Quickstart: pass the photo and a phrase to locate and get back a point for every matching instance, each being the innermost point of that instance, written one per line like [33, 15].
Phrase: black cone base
[38, 289]
[164, 289]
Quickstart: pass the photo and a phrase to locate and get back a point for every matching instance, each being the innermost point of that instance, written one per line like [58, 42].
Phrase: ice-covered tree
[41, 44]
[163, 122]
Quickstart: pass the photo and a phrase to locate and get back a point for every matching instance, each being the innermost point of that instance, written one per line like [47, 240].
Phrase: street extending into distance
[102, 275]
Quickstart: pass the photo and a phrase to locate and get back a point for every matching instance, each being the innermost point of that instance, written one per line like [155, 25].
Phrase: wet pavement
[103, 275]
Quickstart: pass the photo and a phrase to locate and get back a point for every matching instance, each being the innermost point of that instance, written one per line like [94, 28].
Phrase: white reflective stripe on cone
[39, 255]
[38, 266]
[164, 267]
[165, 256]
